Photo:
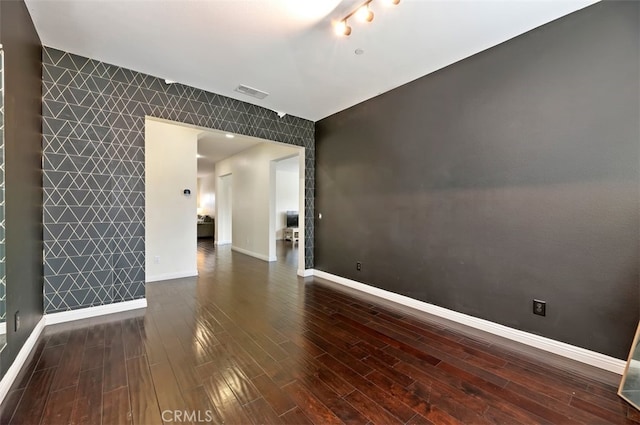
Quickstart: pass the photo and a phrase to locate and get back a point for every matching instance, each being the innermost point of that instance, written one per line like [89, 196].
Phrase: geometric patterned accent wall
[3, 275]
[93, 148]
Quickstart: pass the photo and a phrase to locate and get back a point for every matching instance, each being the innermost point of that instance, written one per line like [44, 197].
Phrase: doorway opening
[285, 206]
[209, 185]
[225, 210]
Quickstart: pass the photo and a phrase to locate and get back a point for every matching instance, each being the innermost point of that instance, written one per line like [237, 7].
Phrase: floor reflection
[248, 341]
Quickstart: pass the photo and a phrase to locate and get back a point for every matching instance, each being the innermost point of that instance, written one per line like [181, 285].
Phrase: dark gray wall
[3, 280]
[93, 143]
[23, 176]
[508, 176]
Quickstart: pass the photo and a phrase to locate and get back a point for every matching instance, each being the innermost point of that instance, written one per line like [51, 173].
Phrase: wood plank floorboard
[250, 342]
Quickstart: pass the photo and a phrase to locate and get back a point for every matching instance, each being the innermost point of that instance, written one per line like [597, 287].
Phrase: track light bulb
[364, 14]
[369, 16]
[342, 28]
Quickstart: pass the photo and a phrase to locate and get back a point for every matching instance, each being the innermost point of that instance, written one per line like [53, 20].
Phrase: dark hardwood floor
[250, 342]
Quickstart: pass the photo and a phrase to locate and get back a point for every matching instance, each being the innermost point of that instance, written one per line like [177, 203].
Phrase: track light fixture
[363, 13]
[342, 28]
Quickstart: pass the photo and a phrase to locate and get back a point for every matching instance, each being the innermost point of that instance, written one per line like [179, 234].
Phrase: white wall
[253, 203]
[286, 197]
[224, 210]
[170, 231]
[198, 192]
[207, 194]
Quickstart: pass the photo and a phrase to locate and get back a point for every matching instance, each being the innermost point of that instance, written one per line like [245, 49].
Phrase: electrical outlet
[156, 259]
[540, 307]
[16, 321]
[359, 266]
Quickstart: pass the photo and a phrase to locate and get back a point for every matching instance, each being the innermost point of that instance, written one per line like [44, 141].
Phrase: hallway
[250, 342]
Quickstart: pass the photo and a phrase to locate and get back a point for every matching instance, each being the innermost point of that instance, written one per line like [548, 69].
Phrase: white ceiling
[214, 146]
[287, 47]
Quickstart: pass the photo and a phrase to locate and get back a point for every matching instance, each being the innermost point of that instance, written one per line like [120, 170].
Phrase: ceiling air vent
[250, 91]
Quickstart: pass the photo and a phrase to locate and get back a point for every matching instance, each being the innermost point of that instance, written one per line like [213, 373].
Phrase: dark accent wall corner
[508, 176]
[23, 175]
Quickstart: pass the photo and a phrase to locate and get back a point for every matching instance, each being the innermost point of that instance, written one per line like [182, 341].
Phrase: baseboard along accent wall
[580, 354]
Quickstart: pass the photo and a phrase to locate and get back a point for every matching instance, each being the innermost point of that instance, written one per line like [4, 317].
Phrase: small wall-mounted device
[540, 307]
[186, 192]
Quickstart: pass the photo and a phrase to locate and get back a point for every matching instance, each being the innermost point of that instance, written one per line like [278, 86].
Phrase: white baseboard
[99, 310]
[20, 360]
[580, 354]
[168, 276]
[305, 273]
[52, 319]
[253, 254]
[222, 243]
